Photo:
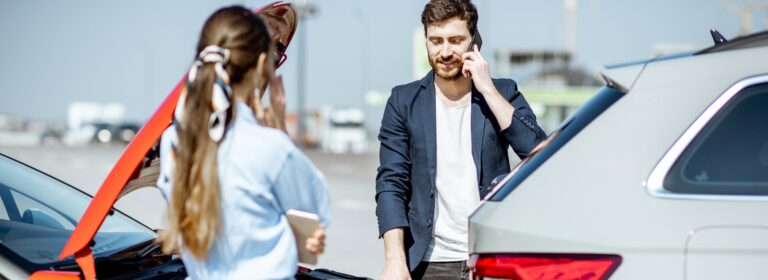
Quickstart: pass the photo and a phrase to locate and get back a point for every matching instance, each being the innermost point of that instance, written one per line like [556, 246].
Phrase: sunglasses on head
[280, 13]
[280, 55]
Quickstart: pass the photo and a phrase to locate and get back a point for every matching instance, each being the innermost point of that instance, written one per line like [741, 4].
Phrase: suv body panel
[590, 196]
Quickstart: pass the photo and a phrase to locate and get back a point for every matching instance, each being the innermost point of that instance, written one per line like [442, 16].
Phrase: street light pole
[302, 73]
[305, 10]
[364, 54]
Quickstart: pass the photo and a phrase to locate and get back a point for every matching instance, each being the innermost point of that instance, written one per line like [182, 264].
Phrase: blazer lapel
[478, 130]
[426, 105]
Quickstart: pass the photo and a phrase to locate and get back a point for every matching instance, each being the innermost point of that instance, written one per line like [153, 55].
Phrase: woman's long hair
[194, 213]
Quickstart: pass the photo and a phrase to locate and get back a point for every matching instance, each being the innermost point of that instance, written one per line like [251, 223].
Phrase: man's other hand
[395, 271]
[395, 267]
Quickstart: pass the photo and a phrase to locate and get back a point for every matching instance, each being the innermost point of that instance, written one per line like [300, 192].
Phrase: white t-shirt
[455, 181]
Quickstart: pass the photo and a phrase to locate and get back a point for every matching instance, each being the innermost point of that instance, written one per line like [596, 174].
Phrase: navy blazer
[405, 183]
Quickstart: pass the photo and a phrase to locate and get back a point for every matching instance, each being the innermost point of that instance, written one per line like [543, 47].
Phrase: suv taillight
[527, 266]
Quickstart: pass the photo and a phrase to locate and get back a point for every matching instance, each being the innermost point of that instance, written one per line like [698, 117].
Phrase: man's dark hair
[440, 10]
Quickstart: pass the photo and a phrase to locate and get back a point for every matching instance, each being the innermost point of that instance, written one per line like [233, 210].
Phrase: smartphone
[471, 46]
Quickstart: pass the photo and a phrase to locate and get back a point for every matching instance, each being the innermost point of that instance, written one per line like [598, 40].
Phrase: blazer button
[431, 192]
[429, 222]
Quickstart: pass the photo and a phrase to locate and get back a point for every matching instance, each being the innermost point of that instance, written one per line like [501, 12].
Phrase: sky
[134, 52]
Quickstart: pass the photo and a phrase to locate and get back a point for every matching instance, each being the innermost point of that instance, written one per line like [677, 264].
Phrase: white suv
[662, 175]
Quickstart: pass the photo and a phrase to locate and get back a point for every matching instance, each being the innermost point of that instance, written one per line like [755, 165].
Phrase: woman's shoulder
[258, 147]
[261, 140]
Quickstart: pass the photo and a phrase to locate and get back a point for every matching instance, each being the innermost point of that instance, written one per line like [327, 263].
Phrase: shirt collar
[244, 112]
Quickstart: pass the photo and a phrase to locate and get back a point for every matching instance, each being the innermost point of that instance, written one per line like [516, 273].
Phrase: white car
[662, 175]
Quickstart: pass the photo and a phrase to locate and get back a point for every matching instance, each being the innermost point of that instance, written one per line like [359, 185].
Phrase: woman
[229, 179]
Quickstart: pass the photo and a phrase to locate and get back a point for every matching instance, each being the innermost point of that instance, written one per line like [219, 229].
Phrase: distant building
[552, 86]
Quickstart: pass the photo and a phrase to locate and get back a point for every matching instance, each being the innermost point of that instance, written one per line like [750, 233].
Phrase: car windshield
[38, 214]
[557, 139]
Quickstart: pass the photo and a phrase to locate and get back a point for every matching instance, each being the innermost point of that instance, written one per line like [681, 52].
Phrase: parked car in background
[92, 122]
[661, 175]
[114, 133]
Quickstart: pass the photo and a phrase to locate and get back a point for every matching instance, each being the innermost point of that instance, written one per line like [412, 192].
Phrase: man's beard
[452, 74]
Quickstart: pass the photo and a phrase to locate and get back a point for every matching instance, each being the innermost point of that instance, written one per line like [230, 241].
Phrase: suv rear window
[604, 98]
[730, 154]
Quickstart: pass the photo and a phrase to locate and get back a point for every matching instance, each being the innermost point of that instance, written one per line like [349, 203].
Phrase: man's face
[446, 42]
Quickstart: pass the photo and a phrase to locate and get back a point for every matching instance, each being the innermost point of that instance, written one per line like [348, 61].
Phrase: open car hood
[138, 166]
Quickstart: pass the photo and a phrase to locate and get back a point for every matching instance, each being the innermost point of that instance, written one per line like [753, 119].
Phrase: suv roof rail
[758, 39]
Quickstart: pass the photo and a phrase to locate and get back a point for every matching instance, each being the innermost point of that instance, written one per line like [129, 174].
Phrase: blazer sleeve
[393, 178]
[524, 133]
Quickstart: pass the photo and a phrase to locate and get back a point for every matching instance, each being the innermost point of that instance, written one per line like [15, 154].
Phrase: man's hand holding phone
[476, 67]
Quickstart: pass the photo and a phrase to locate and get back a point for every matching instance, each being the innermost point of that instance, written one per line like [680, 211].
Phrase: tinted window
[730, 155]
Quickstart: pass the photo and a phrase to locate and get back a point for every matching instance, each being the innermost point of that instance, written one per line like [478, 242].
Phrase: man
[443, 137]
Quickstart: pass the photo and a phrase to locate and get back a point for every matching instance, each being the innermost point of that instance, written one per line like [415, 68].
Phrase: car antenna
[717, 37]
